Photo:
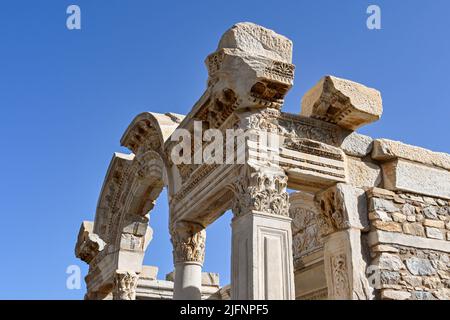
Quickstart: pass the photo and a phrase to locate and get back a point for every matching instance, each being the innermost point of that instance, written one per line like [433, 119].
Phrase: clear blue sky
[66, 97]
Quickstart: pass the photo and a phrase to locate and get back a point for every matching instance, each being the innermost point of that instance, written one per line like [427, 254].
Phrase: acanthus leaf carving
[125, 283]
[188, 240]
[261, 191]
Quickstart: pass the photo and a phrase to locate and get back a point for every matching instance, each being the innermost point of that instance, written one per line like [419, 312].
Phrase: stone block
[380, 215]
[149, 273]
[344, 102]
[387, 261]
[386, 150]
[420, 267]
[363, 173]
[413, 177]
[387, 226]
[434, 223]
[395, 294]
[210, 279]
[415, 229]
[356, 144]
[382, 205]
[434, 233]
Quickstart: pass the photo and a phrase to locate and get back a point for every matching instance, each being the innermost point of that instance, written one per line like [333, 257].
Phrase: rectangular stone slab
[385, 150]
[414, 177]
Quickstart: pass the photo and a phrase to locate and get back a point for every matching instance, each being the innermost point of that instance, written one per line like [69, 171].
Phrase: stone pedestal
[262, 266]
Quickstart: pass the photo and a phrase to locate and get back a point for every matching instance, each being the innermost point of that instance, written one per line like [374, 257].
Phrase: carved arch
[132, 184]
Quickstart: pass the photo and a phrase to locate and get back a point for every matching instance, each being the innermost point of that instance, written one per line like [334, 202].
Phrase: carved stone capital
[262, 191]
[188, 240]
[342, 206]
[125, 284]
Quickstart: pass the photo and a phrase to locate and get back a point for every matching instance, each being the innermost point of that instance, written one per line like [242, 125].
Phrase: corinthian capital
[342, 207]
[262, 191]
[188, 240]
[125, 284]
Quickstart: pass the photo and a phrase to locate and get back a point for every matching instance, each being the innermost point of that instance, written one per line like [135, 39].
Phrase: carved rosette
[125, 284]
[188, 240]
[333, 217]
[263, 192]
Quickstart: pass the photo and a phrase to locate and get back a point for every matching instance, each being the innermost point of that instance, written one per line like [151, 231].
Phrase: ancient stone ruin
[366, 219]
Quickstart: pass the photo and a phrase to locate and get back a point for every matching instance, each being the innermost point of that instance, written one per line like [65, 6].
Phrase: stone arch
[115, 244]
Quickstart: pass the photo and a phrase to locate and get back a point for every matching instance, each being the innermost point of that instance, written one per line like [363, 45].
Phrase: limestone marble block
[345, 266]
[363, 173]
[344, 102]
[356, 144]
[385, 150]
[414, 177]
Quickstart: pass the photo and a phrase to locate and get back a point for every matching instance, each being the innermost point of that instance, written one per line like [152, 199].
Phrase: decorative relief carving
[195, 179]
[296, 127]
[314, 148]
[306, 236]
[148, 165]
[214, 62]
[125, 284]
[218, 109]
[280, 71]
[144, 137]
[266, 120]
[268, 94]
[333, 217]
[340, 279]
[188, 240]
[261, 191]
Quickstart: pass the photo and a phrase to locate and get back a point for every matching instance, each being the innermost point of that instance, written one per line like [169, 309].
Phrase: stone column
[262, 262]
[343, 217]
[188, 240]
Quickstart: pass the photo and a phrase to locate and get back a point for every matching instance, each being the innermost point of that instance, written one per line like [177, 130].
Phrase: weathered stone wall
[410, 245]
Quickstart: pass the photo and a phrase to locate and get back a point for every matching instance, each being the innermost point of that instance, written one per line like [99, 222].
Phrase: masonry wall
[409, 243]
